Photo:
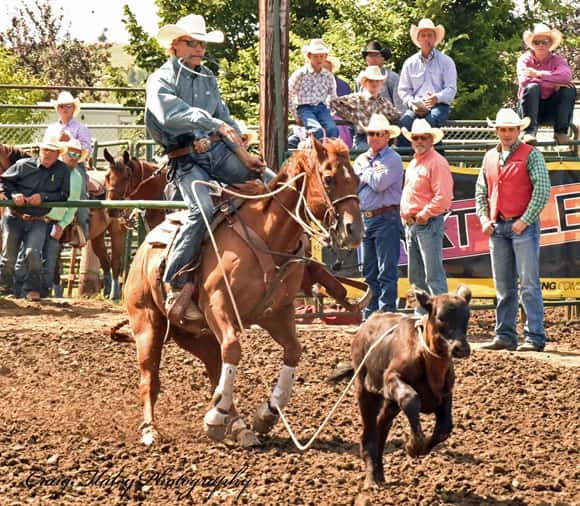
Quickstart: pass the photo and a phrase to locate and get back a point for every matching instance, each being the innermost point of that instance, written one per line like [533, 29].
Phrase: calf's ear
[424, 299]
[465, 292]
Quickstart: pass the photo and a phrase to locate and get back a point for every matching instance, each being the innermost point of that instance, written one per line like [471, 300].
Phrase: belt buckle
[368, 214]
[410, 221]
[202, 145]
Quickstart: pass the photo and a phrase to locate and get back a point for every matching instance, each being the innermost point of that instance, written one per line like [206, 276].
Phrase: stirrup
[180, 306]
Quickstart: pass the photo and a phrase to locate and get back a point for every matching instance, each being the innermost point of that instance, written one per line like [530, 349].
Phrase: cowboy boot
[179, 304]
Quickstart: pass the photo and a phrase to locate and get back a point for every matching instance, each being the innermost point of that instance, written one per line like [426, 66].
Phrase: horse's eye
[328, 181]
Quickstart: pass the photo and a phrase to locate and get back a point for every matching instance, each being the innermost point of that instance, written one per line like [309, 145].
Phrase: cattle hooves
[148, 434]
[215, 432]
[370, 484]
[416, 449]
[264, 419]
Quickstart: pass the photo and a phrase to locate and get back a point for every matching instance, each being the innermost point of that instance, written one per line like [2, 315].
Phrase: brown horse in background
[261, 254]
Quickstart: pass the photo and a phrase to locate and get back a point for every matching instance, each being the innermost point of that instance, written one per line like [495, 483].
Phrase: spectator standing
[380, 171]
[310, 89]
[546, 92]
[427, 196]
[29, 182]
[512, 188]
[428, 82]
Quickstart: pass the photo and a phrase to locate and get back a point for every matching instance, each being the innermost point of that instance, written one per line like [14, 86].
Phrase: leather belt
[201, 145]
[508, 218]
[29, 217]
[380, 210]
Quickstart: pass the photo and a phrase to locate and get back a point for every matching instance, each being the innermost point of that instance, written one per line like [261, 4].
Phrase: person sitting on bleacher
[546, 92]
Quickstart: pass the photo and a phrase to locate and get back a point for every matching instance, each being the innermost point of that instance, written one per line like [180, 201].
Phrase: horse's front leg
[98, 244]
[118, 234]
[222, 418]
[282, 328]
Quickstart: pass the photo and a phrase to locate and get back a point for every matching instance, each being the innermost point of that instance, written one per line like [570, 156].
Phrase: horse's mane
[13, 153]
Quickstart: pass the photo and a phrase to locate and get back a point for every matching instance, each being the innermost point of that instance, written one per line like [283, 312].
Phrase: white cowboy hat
[379, 123]
[251, 135]
[542, 30]
[508, 118]
[316, 46]
[74, 145]
[334, 64]
[64, 97]
[192, 26]
[427, 24]
[422, 126]
[52, 143]
[372, 73]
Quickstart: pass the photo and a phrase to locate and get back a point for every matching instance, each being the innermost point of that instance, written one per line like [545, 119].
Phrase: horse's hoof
[148, 433]
[247, 439]
[215, 432]
[264, 419]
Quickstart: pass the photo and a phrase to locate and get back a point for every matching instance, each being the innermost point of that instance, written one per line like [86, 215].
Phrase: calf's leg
[408, 400]
[385, 421]
[443, 424]
[369, 405]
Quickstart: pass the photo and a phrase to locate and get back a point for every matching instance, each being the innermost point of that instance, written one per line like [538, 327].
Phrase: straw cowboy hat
[316, 46]
[374, 46]
[372, 73]
[379, 123]
[64, 97]
[508, 118]
[192, 26]
[542, 30]
[251, 136]
[422, 126]
[334, 64]
[427, 24]
[75, 145]
[52, 143]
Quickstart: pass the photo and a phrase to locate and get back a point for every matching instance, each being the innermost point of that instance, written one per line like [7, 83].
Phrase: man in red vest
[512, 188]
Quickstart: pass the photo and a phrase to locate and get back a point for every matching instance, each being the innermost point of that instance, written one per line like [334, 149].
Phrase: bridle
[129, 191]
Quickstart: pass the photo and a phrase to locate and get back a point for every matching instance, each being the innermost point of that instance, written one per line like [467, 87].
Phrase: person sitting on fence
[546, 92]
[512, 188]
[310, 89]
[428, 82]
[376, 54]
[184, 113]
[332, 64]
[29, 182]
[359, 107]
[69, 127]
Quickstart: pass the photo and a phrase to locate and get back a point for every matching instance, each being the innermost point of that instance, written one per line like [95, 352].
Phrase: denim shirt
[183, 104]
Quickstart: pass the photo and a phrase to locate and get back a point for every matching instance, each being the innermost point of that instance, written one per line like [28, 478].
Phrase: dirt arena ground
[69, 415]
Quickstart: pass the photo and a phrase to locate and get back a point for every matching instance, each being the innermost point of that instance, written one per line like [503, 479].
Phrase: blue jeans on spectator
[317, 120]
[512, 257]
[30, 235]
[556, 110]
[83, 213]
[437, 117]
[381, 249]
[425, 255]
[220, 164]
[360, 143]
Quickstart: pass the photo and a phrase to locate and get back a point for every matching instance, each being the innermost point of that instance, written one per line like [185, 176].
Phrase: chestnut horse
[264, 272]
[126, 179]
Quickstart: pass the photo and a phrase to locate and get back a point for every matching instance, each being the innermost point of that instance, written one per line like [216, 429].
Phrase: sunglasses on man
[73, 154]
[193, 43]
[376, 134]
[66, 106]
[541, 42]
[425, 137]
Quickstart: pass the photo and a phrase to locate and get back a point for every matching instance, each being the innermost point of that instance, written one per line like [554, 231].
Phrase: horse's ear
[108, 156]
[126, 157]
[319, 149]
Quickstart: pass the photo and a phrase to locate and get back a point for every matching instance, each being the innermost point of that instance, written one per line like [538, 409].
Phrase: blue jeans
[220, 164]
[30, 236]
[437, 117]
[512, 257]
[557, 109]
[381, 248]
[360, 143]
[317, 119]
[83, 213]
[425, 255]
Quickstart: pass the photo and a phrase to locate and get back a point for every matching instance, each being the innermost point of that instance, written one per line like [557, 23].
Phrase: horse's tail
[342, 371]
[121, 337]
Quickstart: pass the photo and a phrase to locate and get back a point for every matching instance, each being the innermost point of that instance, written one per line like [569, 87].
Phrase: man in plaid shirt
[358, 107]
[512, 188]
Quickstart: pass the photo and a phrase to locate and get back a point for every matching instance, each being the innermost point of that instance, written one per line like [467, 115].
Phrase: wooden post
[274, 19]
[72, 269]
[89, 272]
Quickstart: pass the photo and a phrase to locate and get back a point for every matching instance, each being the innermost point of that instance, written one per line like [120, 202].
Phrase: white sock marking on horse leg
[225, 390]
[283, 389]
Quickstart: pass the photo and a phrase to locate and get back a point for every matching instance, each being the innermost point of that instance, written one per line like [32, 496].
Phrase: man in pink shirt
[546, 92]
[427, 195]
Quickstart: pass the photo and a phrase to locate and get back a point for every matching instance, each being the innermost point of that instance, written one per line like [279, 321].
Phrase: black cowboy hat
[374, 46]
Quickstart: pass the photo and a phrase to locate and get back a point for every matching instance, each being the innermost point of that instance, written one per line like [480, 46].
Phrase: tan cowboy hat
[192, 26]
[316, 46]
[52, 143]
[379, 123]
[251, 135]
[64, 97]
[427, 24]
[422, 126]
[542, 30]
[508, 118]
[372, 73]
[334, 64]
[75, 145]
